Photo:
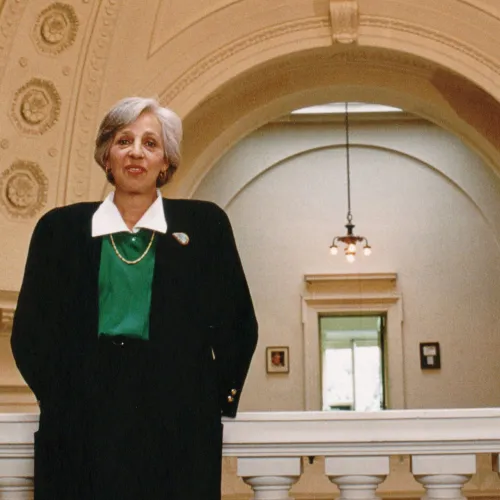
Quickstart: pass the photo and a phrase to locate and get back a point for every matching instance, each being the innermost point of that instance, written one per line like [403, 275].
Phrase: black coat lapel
[93, 281]
[169, 278]
[89, 281]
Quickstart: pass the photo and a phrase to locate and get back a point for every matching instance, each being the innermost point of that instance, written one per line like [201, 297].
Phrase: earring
[109, 175]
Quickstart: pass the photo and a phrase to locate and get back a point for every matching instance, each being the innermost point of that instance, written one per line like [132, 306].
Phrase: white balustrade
[269, 448]
[270, 478]
[495, 462]
[357, 477]
[443, 476]
[16, 488]
[16, 455]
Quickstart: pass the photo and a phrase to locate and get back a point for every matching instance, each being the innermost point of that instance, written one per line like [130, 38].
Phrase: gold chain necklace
[136, 261]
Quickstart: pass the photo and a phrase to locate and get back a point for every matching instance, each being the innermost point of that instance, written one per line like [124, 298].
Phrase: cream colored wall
[431, 210]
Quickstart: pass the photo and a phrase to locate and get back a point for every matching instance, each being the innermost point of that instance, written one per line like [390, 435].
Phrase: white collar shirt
[108, 220]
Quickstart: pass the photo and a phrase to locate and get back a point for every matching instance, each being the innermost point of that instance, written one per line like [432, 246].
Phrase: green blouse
[125, 289]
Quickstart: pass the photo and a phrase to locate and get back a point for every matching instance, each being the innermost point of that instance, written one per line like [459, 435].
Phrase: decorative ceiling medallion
[36, 106]
[23, 189]
[56, 28]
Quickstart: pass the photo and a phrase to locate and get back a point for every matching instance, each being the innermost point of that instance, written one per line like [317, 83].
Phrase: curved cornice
[366, 74]
[10, 16]
[222, 54]
[190, 88]
[89, 94]
[376, 147]
[387, 23]
[482, 7]
[187, 24]
[381, 23]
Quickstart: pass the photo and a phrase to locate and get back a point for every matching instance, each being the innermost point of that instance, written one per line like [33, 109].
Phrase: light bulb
[350, 258]
[351, 248]
[334, 250]
[367, 251]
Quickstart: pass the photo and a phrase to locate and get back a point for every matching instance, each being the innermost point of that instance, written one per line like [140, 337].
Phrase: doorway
[352, 362]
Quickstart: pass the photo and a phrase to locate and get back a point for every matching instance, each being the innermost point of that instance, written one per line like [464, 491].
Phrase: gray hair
[125, 112]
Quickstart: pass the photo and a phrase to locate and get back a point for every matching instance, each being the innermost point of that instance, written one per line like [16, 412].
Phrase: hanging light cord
[348, 165]
[350, 239]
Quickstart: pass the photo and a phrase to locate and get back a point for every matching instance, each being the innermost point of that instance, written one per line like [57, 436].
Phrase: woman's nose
[136, 150]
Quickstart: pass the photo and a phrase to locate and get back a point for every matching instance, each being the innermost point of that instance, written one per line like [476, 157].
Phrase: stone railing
[356, 448]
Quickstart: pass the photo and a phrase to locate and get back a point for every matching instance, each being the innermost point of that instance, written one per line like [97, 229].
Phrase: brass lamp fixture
[350, 240]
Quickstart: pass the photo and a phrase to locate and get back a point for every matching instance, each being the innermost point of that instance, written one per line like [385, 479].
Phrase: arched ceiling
[227, 67]
[316, 76]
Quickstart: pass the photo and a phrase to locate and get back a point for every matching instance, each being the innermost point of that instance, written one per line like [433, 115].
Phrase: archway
[273, 89]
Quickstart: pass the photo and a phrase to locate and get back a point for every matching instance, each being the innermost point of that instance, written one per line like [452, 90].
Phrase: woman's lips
[135, 170]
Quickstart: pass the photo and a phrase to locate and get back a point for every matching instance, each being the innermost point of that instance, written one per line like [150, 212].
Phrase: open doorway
[352, 362]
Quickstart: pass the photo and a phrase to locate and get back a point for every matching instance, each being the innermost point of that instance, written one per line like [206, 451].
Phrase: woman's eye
[151, 144]
[122, 141]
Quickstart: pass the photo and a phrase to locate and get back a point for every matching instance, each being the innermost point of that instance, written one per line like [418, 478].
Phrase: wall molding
[6, 320]
[14, 397]
[89, 94]
[388, 279]
[8, 301]
[483, 7]
[387, 23]
[243, 43]
[375, 293]
[10, 17]
[385, 58]
[188, 22]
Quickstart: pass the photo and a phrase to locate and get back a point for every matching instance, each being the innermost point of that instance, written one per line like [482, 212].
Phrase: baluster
[16, 488]
[270, 478]
[357, 477]
[443, 476]
[16, 472]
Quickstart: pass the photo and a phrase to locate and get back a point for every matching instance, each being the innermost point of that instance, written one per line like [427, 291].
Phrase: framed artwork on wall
[430, 356]
[277, 359]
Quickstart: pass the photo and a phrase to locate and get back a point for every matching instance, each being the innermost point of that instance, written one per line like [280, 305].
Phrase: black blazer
[200, 304]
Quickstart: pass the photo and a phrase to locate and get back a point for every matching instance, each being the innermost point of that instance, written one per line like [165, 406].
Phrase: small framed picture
[277, 360]
[430, 356]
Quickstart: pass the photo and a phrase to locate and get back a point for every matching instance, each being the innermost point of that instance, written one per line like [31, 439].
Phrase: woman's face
[136, 156]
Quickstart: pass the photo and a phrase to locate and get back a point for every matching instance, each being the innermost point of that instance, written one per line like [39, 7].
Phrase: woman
[134, 327]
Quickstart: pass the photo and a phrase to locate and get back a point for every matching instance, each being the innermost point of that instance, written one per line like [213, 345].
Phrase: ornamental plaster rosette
[23, 189]
[55, 29]
[36, 107]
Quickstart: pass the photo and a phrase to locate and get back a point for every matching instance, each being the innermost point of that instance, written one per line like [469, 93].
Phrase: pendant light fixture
[350, 240]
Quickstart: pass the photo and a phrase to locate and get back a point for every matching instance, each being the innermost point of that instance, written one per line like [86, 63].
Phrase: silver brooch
[182, 238]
